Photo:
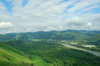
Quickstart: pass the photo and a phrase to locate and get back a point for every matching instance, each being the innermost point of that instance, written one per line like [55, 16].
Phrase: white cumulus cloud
[5, 25]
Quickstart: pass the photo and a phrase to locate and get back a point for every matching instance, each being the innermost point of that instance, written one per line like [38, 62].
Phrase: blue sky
[8, 5]
[44, 15]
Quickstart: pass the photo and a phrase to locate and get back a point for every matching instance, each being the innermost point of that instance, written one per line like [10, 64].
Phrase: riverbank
[93, 52]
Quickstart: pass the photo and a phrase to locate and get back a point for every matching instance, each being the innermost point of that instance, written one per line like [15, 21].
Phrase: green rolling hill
[10, 56]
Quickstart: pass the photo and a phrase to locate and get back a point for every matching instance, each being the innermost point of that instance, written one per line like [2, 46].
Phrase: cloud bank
[47, 15]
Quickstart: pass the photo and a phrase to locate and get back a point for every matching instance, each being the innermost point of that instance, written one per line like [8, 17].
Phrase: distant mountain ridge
[59, 35]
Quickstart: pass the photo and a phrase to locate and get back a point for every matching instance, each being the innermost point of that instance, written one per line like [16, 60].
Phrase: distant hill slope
[59, 35]
[85, 32]
[3, 37]
[12, 57]
[94, 39]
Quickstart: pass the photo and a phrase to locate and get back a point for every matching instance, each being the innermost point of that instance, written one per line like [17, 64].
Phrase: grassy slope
[38, 61]
[12, 57]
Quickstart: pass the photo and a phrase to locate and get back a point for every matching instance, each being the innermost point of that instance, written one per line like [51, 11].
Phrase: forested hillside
[95, 40]
[58, 35]
[55, 54]
[3, 37]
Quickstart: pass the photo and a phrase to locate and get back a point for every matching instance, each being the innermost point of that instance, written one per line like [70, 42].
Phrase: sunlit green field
[12, 57]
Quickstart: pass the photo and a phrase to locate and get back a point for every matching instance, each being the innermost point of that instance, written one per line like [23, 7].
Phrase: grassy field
[12, 57]
[38, 61]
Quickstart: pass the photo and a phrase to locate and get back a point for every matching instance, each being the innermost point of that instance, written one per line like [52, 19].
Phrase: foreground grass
[10, 58]
[38, 61]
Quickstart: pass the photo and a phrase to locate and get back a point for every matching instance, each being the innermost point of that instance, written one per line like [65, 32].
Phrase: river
[93, 52]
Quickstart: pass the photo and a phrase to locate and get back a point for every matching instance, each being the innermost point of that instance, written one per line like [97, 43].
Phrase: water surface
[93, 52]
